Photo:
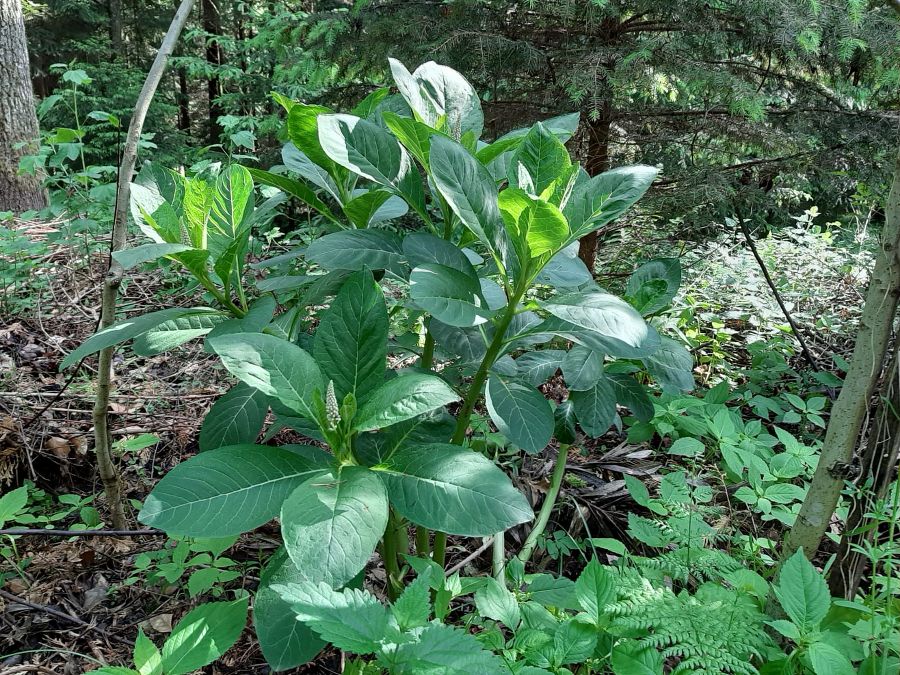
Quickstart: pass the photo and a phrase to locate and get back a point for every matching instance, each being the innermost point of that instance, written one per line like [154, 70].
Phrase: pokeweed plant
[490, 274]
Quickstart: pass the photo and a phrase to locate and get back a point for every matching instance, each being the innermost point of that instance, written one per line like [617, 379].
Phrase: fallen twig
[82, 533]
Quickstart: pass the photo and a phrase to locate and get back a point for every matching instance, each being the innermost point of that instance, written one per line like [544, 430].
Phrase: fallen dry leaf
[161, 623]
[58, 446]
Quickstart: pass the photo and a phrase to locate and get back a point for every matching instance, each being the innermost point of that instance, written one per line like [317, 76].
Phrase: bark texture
[18, 121]
[596, 162]
[212, 24]
[850, 409]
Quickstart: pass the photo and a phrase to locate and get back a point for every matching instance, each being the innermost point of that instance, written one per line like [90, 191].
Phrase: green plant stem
[473, 394]
[427, 359]
[389, 553]
[559, 470]
[498, 556]
[423, 545]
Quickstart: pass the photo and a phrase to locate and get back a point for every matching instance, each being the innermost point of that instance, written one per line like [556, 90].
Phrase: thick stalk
[389, 554]
[423, 545]
[102, 445]
[472, 396]
[559, 470]
[498, 557]
[852, 404]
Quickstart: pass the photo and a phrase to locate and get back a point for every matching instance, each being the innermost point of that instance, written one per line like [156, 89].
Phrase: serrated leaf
[828, 660]
[573, 642]
[413, 608]
[452, 489]
[630, 657]
[521, 413]
[594, 589]
[441, 649]
[351, 619]
[802, 592]
[203, 635]
[226, 491]
[147, 657]
[495, 601]
[402, 398]
[331, 523]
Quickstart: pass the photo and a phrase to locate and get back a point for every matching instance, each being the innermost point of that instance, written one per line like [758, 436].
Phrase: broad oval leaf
[521, 413]
[175, 332]
[235, 418]
[126, 330]
[671, 365]
[285, 641]
[356, 249]
[451, 296]
[605, 315]
[652, 286]
[537, 367]
[402, 398]
[421, 248]
[276, 367]
[363, 147]
[132, 257]
[331, 524]
[451, 489]
[599, 200]
[582, 368]
[542, 155]
[802, 592]
[565, 269]
[225, 492]
[595, 408]
[351, 341]
[203, 635]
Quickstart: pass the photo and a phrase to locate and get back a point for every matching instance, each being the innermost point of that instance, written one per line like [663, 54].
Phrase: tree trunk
[878, 470]
[115, 30]
[212, 24]
[18, 121]
[597, 162]
[849, 411]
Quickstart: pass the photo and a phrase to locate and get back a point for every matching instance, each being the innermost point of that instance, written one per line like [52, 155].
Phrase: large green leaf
[582, 367]
[232, 204]
[802, 592]
[537, 223]
[276, 367]
[235, 418]
[436, 94]
[303, 130]
[495, 601]
[653, 285]
[361, 209]
[351, 342]
[467, 186]
[595, 408]
[352, 619]
[605, 315]
[225, 492]
[331, 523]
[594, 589]
[543, 156]
[285, 641]
[402, 398]
[562, 126]
[363, 147]
[449, 295]
[631, 657]
[537, 367]
[295, 189]
[521, 413]
[601, 199]
[296, 160]
[414, 135]
[356, 249]
[132, 257]
[126, 330]
[631, 394]
[440, 648]
[203, 635]
[565, 269]
[671, 365]
[174, 332]
[828, 659]
[421, 248]
[451, 489]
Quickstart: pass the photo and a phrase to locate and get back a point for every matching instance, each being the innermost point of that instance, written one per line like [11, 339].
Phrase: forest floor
[69, 604]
